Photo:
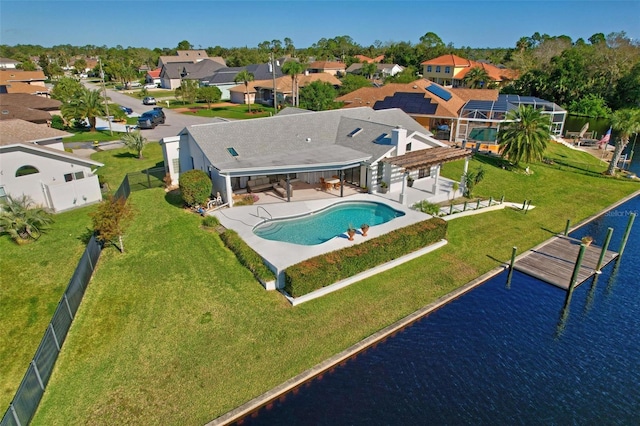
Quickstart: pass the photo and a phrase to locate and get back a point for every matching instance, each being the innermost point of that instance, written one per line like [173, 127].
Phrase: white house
[358, 144]
[33, 162]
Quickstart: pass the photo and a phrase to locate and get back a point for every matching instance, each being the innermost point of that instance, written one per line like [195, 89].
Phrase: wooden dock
[554, 261]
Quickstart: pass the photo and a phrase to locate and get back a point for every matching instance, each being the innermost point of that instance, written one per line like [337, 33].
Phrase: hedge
[321, 271]
[247, 257]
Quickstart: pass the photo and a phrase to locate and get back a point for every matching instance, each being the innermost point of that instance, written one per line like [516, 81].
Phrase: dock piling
[627, 231]
[607, 240]
[576, 269]
[513, 260]
[566, 228]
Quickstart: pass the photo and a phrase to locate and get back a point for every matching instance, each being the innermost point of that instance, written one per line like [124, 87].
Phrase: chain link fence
[148, 178]
[29, 393]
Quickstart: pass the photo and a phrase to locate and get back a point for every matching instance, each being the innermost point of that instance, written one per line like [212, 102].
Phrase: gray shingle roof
[306, 138]
[227, 75]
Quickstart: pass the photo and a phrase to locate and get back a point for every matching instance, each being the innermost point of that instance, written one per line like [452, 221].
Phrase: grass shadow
[174, 198]
[85, 236]
[125, 155]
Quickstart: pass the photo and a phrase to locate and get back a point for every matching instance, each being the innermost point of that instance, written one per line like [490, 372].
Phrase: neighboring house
[172, 74]
[224, 78]
[261, 91]
[450, 70]
[455, 114]
[6, 63]
[363, 58]
[192, 56]
[33, 162]
[383, 70]
[18, 81]
[153, 77]
[329, 67]
[36, 109]
[360, 145]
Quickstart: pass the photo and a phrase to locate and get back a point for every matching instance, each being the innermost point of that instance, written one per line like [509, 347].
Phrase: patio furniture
[333, 183]
[258, 184]
[281, 189]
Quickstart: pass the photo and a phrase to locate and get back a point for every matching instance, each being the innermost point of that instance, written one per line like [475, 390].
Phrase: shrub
[247, 200]
[324, 270]
[195, 187]
[426, 207]
[57, 122]
[246, 256]
[210, 221]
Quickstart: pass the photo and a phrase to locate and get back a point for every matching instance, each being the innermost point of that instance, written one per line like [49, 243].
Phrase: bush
[210, 222]
[246, 200]
[246, 256]
[57, 122]
[195, 187]
[426, 207]
[324, 270]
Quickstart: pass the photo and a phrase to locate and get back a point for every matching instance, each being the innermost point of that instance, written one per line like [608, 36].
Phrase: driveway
[174, 123]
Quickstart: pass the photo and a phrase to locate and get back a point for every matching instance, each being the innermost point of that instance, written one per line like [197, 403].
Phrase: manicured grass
[236, 112]
[34, 277]
[175, 331]
[118, 162]
[87, 136]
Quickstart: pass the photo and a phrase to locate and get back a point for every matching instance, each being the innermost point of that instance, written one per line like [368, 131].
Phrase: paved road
[174, 123]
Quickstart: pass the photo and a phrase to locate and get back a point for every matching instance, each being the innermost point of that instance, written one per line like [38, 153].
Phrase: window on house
[429, 68]
[26, 170]
[424, 173]
[176, 165]
[438, 68]
[3, 195]
[233, 152]
[68, 177]
[79, 175]
[409, 146]
[447, 70]
[380, 172]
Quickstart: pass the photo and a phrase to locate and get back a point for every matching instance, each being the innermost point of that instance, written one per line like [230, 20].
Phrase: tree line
[588, 77]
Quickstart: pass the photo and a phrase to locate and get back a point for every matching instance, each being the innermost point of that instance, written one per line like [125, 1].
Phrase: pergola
[424, 158]
[416, 160]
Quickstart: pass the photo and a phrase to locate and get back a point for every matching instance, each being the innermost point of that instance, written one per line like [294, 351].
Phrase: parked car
[149, 100]
[150, 86]
[126, 110]
[150, 119]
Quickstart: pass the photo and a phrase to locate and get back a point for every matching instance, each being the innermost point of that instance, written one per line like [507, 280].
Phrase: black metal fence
[148, 178]
[29, 393]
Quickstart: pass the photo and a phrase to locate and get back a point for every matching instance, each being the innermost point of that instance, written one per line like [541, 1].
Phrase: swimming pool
[322, 225]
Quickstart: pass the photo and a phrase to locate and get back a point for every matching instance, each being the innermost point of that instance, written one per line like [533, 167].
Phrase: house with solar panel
[358, 147]
[455, 115]
[450, 70]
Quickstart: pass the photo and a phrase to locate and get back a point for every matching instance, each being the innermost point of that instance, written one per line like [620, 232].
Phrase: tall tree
[188, 91]
[477, 78]
[67, 89]
[318, 96]
[292, 69]
[245, 77]
[525, 135]
[22, 220]
[88, 104]
[369, 70]
[625, 122]
[135, 141]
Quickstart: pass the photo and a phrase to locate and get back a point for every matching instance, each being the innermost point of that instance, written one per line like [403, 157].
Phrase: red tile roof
[450, 60]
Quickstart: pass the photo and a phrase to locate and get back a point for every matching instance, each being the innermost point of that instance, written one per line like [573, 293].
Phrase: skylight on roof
[381, 138]
[233, 152]
[355, 132]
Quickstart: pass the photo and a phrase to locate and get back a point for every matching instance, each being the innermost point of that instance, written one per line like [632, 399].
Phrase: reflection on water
[498, 355]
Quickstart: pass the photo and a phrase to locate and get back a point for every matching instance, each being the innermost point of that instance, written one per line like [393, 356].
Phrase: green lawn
[118, 162]
[236, 112]
[87, 136]
[33, 278]
[175, 331]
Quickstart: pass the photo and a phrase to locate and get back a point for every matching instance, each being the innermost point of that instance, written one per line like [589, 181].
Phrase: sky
[208, 23]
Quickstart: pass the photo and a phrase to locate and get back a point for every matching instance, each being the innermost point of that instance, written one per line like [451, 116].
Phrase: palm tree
[245, 77]
[625, 122]
[369, 69]
[88, 104]
[22, 220]
[135, 141]
[525, 134]
[477, 78]
[293, 68]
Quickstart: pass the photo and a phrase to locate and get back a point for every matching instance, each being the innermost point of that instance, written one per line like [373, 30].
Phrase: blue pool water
[324, 225]
[498, 356]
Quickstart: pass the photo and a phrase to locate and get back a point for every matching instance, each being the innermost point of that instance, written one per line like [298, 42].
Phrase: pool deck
[281, 255]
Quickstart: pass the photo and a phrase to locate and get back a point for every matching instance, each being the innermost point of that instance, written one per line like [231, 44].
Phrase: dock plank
[554, 261]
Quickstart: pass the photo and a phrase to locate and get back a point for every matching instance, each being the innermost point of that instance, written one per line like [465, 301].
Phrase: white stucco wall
[171, 154]
[48, 187]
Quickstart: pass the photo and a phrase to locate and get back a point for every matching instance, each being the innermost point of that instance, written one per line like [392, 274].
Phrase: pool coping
[318, 369]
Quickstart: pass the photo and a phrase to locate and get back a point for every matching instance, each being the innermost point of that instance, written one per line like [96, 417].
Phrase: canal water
[497, 355]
